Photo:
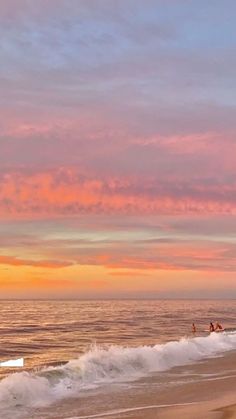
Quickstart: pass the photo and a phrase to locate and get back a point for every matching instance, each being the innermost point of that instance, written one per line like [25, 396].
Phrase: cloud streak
[117, 141]
[13, 261]
[67, 192]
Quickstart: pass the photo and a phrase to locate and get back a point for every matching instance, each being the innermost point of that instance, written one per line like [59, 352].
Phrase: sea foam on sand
[107, 365]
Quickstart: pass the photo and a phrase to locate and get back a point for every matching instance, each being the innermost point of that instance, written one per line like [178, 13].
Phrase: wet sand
[229, 412]
[208, 392]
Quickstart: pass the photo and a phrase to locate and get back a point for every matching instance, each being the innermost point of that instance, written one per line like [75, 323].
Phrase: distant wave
[100, 366]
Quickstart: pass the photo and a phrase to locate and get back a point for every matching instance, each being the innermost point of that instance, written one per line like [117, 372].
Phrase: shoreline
[209, 398]
[217, 409]
[221, 409]
[228, 412]
[202, 390]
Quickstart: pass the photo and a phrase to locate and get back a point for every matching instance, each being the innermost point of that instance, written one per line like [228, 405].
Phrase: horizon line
[124, 299]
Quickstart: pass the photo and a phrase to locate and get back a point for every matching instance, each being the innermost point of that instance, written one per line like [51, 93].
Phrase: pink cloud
[65, 192]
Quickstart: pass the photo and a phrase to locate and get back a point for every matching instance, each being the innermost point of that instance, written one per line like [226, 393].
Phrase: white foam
[13, 363]
[100, 366]
[132, 409]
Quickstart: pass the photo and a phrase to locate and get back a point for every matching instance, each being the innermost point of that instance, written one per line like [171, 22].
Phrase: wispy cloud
[67, 192]
[13, 261]
[117, 138]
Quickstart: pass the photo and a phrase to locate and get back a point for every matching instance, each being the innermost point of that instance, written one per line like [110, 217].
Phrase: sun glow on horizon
[117, 150]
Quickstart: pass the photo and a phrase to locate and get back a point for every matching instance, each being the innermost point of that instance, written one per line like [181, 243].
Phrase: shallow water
[105, 342]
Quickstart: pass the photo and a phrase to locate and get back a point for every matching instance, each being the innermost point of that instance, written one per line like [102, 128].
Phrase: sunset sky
[117, 148]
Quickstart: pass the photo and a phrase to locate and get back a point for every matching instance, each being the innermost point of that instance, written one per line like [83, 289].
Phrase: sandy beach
[133, 372]
[210, 397]
[117, 209]
[223, 407]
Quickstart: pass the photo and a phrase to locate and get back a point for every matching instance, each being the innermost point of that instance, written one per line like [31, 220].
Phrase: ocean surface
[73, 348]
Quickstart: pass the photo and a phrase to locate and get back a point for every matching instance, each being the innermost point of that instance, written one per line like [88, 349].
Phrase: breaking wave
[100, 366]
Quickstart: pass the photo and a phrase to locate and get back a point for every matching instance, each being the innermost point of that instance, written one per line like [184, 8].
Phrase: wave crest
[113, 364]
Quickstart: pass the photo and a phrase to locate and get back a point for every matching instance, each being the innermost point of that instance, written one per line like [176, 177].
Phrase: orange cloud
[133, 273]
[13, 261]
[65, 192]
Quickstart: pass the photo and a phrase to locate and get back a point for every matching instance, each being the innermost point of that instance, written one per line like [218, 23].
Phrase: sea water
[71, 348]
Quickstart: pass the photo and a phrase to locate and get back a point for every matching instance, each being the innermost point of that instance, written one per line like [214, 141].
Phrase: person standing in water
[218, 326]
[194, 328]
[211, 328]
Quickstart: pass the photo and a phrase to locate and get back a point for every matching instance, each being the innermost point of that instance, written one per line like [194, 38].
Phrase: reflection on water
[52, 332]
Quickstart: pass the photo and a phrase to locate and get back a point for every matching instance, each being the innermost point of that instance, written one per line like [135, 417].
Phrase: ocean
[76, 353]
